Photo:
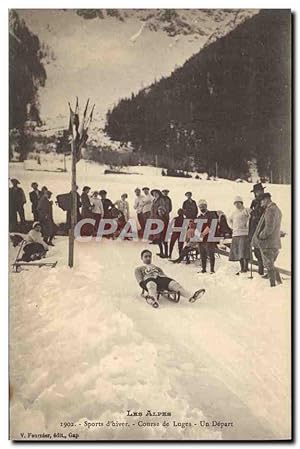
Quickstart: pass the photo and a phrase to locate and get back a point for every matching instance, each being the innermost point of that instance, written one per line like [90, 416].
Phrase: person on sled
[35, 248]
[153, 280]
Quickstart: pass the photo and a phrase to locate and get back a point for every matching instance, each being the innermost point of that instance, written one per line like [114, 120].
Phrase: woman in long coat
[158, 201]
[240, 246]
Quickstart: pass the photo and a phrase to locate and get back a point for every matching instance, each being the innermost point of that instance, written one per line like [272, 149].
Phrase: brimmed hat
[257, 187]
[102, 192]
[202, 202]
[145, 188]
[124, 194]
[86, 187]
[238, 199]
[14, 181]
[188, 193]
[155, 190]
[166, 190]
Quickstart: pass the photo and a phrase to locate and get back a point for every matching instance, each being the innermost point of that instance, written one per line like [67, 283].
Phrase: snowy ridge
[191, 22]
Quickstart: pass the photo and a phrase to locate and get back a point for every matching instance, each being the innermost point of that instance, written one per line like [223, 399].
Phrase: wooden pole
[73, 206]
[65, 166]
[216, 169]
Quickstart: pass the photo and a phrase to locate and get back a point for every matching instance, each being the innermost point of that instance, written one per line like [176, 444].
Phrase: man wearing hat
[167, 201]
[138, 206]
[17, 200]
[34, 196]
[107, 204]
[46, 217]
[147, 203]
[86, 206]
[189, 207]
[207, 249]
[267, 237]
[255, 214]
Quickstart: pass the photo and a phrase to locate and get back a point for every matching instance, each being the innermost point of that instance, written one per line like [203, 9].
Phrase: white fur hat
[35, 224]
[238, 199]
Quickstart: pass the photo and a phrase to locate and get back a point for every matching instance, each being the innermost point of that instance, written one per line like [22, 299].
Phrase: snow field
[84, 346]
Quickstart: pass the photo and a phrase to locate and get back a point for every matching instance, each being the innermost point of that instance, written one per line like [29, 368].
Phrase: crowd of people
[257, 226]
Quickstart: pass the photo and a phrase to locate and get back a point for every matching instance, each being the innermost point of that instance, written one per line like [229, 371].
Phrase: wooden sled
[171, 296]
[18, 240]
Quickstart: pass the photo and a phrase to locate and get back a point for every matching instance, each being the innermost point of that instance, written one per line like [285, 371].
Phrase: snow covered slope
[84, 346]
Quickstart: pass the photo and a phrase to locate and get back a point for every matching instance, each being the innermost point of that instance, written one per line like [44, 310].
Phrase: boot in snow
[212, 267]
[152, 301]
[161, 255]
[260, 269]
[197, 295]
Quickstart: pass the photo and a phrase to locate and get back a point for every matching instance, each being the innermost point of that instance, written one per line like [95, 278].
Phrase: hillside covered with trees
[228, 104]
[26, 75]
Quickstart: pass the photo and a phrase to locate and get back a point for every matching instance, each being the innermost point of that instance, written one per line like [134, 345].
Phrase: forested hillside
[228, 104]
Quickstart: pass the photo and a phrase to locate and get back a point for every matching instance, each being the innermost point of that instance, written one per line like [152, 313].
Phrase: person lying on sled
[35, 248]
[153, 280]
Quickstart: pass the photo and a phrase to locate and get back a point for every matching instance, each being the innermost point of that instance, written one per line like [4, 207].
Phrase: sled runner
[171, 296]
[17, 265]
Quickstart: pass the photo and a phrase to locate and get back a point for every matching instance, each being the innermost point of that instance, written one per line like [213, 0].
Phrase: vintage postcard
[150, 224]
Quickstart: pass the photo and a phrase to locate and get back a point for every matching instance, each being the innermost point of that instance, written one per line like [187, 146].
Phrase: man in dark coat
[86, 209]
[267, 237]
[189, 207]
[256, 212]
[46, 217]
[207, 249]
[17, 200]
[167, 201]
[107, 204]
[177, 223]
[34, 196]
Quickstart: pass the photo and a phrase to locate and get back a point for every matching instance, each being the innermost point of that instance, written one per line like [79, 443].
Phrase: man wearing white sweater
[138, 206]
[147, 203]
